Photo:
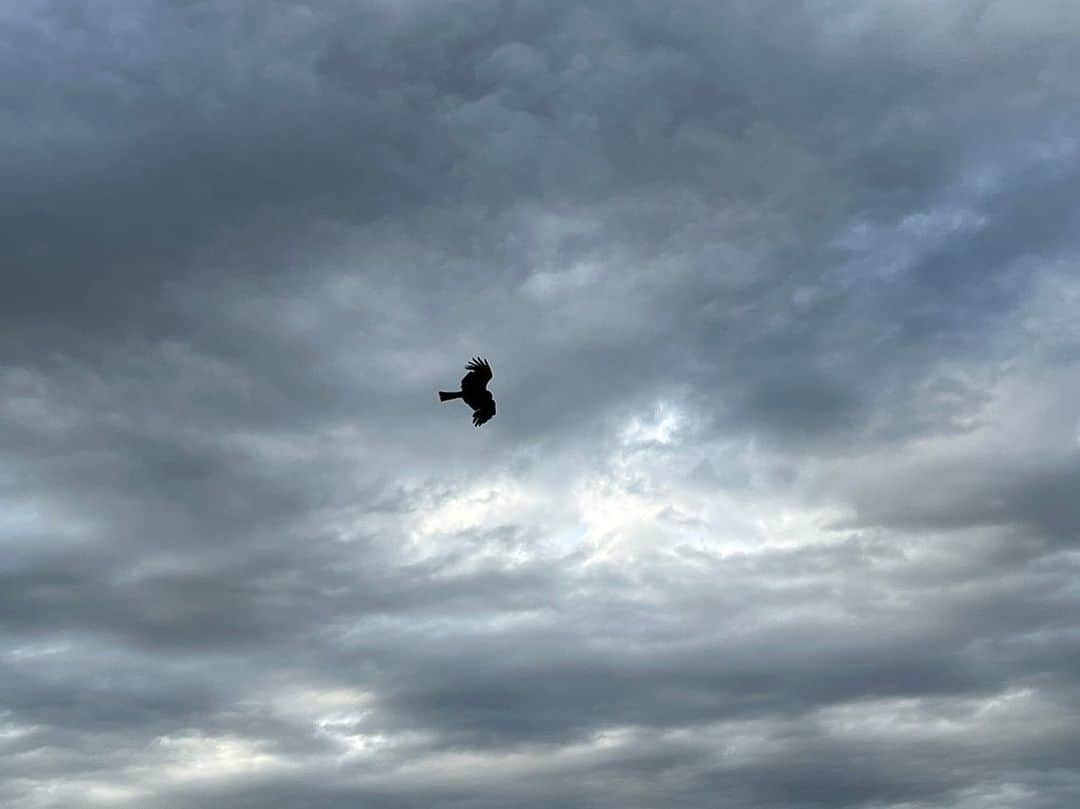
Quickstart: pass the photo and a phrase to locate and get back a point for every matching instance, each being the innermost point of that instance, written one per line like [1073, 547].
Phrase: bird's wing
[483, 415]
[479, 375]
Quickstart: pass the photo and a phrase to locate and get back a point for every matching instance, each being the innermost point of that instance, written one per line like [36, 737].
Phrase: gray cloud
[778, 507]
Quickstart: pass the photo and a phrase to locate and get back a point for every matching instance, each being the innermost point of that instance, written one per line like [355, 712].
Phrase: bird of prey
[474, 391]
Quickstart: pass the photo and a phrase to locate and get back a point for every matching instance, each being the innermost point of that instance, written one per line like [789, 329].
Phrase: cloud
[778, 504]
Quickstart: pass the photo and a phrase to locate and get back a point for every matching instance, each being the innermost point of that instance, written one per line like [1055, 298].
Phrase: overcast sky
[781, 506]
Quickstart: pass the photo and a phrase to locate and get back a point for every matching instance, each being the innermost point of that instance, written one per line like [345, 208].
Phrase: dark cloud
[778, 507]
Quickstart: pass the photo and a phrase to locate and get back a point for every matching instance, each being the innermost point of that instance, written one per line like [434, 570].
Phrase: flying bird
[474, 391]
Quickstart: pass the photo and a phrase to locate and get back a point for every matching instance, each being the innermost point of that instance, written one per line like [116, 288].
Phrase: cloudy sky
[781, 507]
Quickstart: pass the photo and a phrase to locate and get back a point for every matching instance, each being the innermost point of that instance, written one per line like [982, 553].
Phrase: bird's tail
[446, 396]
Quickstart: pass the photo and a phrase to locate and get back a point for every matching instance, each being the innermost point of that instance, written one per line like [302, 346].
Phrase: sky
[780, 507]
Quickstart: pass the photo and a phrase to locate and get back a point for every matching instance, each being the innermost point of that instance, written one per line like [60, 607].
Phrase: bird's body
[474, 391]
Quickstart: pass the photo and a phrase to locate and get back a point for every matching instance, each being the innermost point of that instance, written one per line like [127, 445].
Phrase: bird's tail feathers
[446, 396]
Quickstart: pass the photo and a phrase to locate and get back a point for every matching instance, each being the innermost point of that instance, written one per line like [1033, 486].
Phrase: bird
[474, 391]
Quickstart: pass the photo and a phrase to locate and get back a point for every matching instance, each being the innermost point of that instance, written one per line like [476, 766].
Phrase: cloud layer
[779, 509]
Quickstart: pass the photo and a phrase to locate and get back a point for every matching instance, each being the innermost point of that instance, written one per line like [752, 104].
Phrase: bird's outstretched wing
[478, 377]
[483, 415]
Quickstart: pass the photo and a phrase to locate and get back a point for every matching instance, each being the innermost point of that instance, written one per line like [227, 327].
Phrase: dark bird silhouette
[474, 391]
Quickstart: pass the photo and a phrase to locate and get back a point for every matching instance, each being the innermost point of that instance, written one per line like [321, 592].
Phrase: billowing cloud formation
[780, 506]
